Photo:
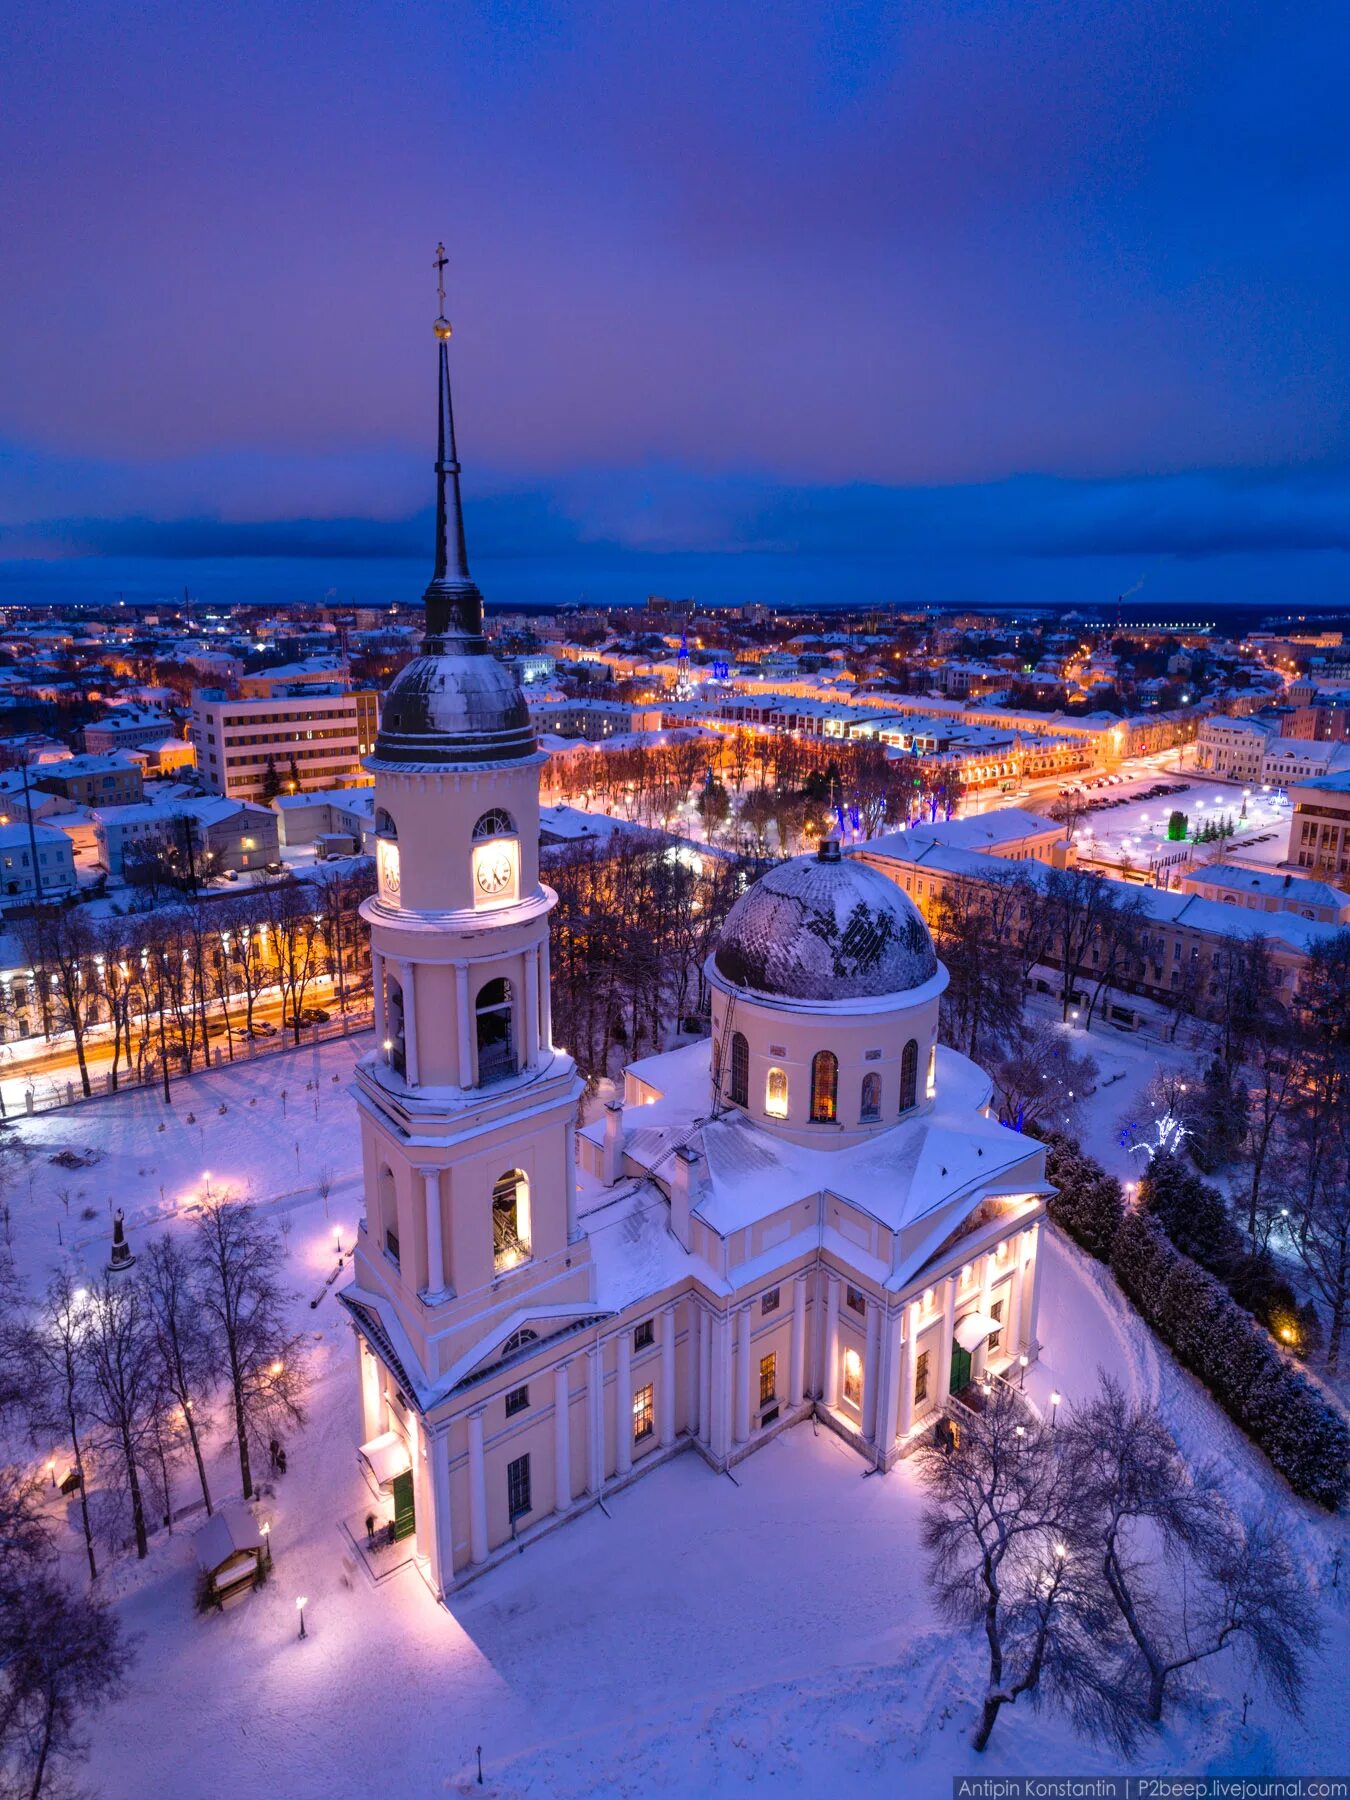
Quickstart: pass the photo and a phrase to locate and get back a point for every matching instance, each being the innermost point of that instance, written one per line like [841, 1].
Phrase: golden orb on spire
[442, 328]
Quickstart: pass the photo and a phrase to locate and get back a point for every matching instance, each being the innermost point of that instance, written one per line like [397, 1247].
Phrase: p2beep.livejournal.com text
[1151, 1787]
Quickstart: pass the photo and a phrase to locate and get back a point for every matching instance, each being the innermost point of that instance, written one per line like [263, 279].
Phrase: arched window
[740, 1070]
[824, 1086]
[384, 825]
[397, 1040]
[497, 823]
[518, 1341]
[496, 1047]
[909, 1075]
[510, 1221]
[871, 1099]
[932, 1071]
[776, 1094]
[388, 1199]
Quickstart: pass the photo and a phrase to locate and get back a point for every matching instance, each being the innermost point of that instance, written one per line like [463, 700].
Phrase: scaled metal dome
[825, 927]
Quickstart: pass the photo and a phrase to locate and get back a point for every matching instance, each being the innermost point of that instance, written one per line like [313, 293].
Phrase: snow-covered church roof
[825, 928]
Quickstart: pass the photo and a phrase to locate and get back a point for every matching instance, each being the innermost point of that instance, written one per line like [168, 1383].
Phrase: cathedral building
[811, 1212]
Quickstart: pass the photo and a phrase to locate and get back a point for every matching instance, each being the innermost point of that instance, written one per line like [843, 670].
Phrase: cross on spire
[439, 265]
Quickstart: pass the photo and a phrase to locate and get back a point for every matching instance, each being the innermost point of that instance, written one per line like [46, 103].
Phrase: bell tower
[467, 1108]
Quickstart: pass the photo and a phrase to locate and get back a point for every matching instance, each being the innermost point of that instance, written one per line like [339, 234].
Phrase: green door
[960, 1375]
[405, 1517]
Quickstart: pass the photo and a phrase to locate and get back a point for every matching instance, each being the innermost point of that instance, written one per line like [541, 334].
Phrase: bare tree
[181, 1340]
[55, 1348]
[123, 1392]
[62, 1655]
[1042, 1080]
[1215, 1584]
[237, 1259]
[1008, 1556]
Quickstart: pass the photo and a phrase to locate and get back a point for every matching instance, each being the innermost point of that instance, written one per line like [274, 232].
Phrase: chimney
[611, 1157]
[684, 1191]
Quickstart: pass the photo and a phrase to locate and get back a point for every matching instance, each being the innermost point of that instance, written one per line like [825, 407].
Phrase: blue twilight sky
[991, 299]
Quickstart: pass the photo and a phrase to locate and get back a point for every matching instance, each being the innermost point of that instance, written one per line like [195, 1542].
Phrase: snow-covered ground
[700, 1636]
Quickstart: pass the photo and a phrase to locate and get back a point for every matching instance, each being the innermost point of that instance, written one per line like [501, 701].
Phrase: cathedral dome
[824, 928]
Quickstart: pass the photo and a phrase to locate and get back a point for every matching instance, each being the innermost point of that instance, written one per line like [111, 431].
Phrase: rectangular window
[517, 1401]
[518, 1486]
[855, 1300]
[644, 1335]
[642, 1413]
[391, 1243]
[768, 1378]
[770, 1301]
[921, 1377]
[995, 1313]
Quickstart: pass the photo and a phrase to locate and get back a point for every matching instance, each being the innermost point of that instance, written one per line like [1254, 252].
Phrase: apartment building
[128, 728]
[1319, 832]
[92, 780]
[311, 735]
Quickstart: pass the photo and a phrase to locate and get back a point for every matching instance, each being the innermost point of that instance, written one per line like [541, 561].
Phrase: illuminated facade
[812, 1212]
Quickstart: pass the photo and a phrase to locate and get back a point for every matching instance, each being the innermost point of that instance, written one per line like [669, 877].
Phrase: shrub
[1288, 1415]
[1089, 1205]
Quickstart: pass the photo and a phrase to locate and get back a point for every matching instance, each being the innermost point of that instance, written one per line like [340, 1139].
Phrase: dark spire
[454, 606]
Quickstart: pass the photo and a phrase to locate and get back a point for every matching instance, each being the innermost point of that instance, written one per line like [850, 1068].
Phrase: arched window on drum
[909, 1076]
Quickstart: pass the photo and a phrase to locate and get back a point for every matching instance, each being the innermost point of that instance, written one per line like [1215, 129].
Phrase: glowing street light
[266, 1529]
[1022, 1362]
[1055, 1399]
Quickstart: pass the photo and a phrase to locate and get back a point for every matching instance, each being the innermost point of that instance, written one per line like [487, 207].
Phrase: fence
[68, 1092]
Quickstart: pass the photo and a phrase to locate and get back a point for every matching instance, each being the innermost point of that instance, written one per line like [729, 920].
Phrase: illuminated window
[776, 1094]
[510, 1221]
[852, 1378]
[643, 1413]
[932, 1071]
[921, 1377]
[768, 1378]
[739, 1094]
[996, 1314]
[909, 1076]
[871, 1099]
[824, 1085]
[496, 823]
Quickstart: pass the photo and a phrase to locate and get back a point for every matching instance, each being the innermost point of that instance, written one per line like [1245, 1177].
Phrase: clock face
[494, 869]
[389, 870]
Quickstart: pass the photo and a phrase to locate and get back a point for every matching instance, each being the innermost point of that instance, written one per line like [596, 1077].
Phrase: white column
[444, 1554]
[462, 1020]
[946, 1323]
[422, 1519]
[531, 1008]
[623, 1403]
[478, 1524]
[720, 1388]
[562, 1438]
[570, 1178]
[704, 1375]
[411, 1069]
[666, 1398]
[545, 997]
[372, 1422]
[377, 982]
[797, 1351]
[1030, 1342]
[830, 1373]
[595, 1409]
[871, 1373]
[436, 1282]
[910, 1320]
[742, 1374]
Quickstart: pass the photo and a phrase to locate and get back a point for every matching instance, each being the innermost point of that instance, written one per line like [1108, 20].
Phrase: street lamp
[300, 1606]
[1022, 1362]
[337, 1243]
[267, 1540]
[51, 1469]
[1055, 1399]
